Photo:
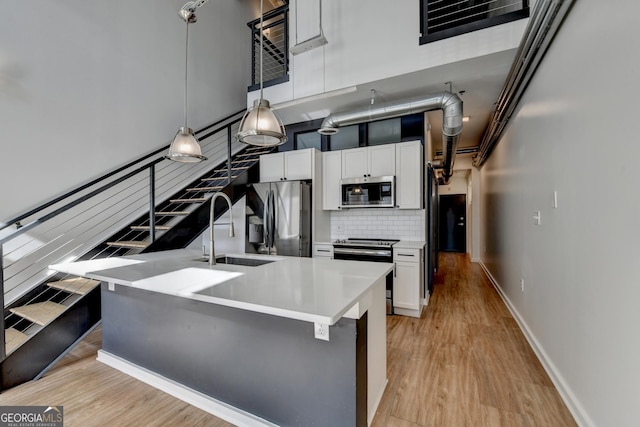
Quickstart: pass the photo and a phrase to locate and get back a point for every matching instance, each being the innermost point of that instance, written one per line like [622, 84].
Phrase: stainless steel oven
[373, 250]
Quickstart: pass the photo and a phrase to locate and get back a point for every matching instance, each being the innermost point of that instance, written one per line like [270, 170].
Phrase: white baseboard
[425, 300]
[407, 312]
[567, 395]
[376, 403]
[199, 400]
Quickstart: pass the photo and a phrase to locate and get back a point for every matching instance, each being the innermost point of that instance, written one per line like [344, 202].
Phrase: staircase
[44, 324]
[136, 238]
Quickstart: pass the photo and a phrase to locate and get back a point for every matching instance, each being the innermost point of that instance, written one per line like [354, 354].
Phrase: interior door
[453, 223]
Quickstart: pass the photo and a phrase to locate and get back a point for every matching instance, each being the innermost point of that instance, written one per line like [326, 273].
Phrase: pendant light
[261, 125]
[185, 147]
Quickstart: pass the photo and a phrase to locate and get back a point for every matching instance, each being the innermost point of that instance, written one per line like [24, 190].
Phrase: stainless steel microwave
[368, 192]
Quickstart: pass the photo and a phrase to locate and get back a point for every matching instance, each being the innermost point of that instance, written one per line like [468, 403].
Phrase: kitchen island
[296, 341]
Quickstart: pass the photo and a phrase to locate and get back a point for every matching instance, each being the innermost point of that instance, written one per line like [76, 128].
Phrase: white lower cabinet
[323, 250]
[408, 282]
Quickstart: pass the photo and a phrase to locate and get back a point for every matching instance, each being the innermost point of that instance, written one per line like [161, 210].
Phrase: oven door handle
[373, 252]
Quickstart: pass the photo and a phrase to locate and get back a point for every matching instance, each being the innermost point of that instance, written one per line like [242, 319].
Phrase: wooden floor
[464, 363]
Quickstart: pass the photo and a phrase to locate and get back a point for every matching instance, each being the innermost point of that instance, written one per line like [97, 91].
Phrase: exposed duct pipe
[448, 102]
[545, 20]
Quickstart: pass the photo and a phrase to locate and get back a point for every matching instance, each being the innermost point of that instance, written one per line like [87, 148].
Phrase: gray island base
[251, 367]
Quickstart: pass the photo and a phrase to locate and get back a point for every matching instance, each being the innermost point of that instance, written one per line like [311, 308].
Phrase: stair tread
[132, 244]
[214, 178]
[146, 227]
[253, 153]
[233, 168]
[194, 200]
[203, 189]
[40, 312]
[13, 338]
[76, 285]
[173, 213]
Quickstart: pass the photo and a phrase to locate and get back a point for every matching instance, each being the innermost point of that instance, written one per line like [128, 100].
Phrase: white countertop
[408, 244]
[309, 289]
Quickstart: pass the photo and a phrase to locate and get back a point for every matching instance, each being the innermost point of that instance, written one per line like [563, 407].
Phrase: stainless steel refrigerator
[279, 218]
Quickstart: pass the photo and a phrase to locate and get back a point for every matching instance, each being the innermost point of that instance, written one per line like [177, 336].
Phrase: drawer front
[406, 255]
[323, 251]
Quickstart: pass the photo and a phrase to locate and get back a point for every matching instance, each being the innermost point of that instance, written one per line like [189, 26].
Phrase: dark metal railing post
[152, 203]
[3, 351]
[286, 43]
[229, 139]
[253, 56]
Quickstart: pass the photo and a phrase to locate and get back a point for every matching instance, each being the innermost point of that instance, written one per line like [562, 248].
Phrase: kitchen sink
[246, 262]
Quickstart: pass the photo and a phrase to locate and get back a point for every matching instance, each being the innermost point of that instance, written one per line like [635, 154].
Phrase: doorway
[453, 223]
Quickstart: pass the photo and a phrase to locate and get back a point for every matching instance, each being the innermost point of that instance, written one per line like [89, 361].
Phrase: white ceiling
[480, 78]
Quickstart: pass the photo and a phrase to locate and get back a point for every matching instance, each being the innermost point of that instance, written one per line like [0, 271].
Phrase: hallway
[465, 362]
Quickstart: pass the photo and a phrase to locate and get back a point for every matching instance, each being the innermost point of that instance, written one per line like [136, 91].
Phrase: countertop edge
[329, 319]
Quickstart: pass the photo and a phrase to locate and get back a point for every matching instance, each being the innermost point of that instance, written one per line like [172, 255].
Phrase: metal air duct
[448, 102]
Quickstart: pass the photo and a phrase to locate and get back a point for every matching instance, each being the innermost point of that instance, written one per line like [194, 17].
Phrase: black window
[310, 139]
[441, 19]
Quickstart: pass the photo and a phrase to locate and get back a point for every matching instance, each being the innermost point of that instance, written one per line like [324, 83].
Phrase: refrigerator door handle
[271, 218]
[265, 220]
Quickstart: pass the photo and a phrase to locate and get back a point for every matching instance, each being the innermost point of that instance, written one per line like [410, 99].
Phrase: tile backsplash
[378, 223]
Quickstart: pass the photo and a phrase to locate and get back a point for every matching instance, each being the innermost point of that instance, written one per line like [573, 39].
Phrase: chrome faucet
[212, 253]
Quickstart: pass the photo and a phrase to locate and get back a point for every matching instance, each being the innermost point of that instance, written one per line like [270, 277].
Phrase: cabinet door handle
[323, 250]
[411, 255]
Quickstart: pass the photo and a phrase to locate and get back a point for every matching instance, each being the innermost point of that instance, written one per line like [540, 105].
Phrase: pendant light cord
[261, 41]
[186, 64]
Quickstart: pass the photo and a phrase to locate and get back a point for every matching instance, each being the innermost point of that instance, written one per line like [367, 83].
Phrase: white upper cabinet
[381, 160]
[369, 161]
[354, 162]
[408, 159]
[271, 167]
[403, 160]
[332, 173]
[298, 164]
[287, 166]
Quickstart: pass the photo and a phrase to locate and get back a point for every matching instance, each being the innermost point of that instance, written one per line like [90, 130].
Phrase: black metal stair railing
[76, 225]
[80, 314]
[275, 48]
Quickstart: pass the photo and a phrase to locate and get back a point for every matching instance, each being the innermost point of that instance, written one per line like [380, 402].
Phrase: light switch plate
[537, 218]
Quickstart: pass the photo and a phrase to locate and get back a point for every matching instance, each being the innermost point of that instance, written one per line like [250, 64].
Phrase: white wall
[375, 42]
[574, 133]
[88, 86]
